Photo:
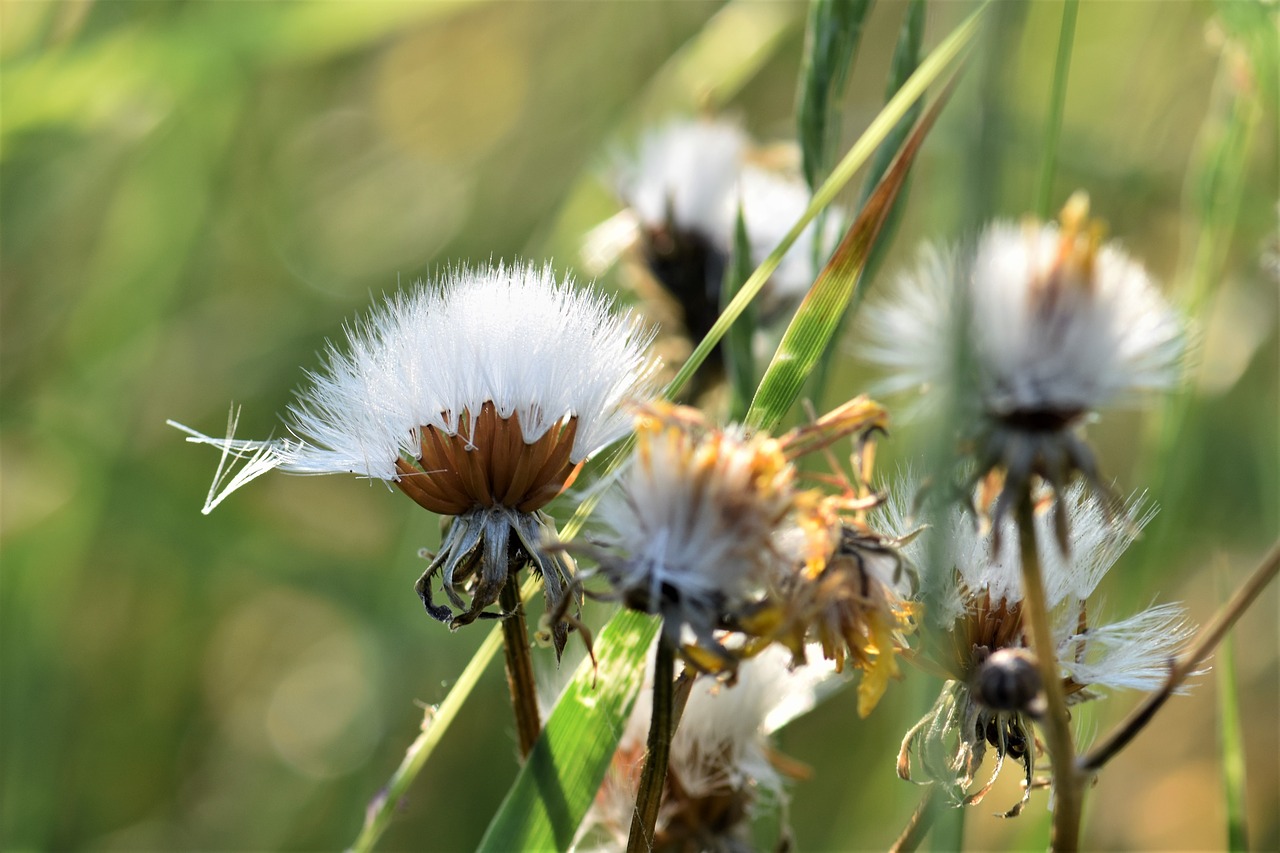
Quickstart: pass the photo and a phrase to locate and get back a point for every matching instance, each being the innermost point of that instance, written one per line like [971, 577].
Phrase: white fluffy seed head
[1132, 653]
[517, 336]
[1046, 320]
[684, 174]
[694, 514]
[694, 176]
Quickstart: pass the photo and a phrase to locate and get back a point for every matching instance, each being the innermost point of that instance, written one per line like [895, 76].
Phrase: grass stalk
[1188, 663]
[1057, 104]
[1231, 742]
[920, 823]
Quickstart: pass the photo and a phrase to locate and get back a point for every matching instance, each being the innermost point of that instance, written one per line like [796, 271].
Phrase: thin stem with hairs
[1056, 721]
[515, 644]
[661, 728]
[1187, 664]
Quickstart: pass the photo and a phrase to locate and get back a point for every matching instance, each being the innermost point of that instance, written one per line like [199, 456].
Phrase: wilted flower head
[692, 529]
[975, 635]
[479, 396]
[1031, 329]
[722, 766]
[845, 599]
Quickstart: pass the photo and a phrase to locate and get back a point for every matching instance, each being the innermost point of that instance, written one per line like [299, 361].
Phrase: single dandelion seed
[479, 396]
[976, 636]
[1032, 329]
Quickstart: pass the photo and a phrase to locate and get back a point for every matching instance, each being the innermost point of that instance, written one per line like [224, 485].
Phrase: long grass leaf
[819, 314]
[555, 787]
[435, 722]
[1057, 103]
[1231, 742]
[831, 43]
[739, 360]
[906, 58]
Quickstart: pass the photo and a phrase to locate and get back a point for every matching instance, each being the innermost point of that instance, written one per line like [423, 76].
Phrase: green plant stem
[1057, 102]
[1056, 722]
[515, 643]
[435, 722]
[947, 835]
[919, 824]
[1184, 666]
[653, 777]
[1231, 742]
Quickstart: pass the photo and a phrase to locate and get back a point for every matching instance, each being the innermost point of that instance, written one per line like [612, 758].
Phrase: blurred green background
[195, 195]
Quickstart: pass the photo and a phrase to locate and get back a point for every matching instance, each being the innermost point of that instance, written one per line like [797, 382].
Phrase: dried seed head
[487, 463]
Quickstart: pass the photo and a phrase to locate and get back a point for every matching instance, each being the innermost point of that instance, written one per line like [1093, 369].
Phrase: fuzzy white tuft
[692, 516]
[1132, 653]
[695, 175]
[1101, 339]
[685, 173]
[515, 336]
[723, 738]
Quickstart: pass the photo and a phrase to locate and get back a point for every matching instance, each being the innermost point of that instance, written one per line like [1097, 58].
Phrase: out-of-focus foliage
[194, 196]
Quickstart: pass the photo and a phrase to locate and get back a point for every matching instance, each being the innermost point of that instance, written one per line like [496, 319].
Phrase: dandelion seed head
[1050, 322]
[688, 532]
[478, 395]
[533, 348]
[975, 633]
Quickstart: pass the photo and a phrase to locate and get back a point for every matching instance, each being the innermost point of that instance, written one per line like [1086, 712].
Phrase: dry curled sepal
[860, 417]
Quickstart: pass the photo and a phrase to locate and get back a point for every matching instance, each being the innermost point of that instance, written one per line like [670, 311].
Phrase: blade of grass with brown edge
[906, 58]
[819, 314]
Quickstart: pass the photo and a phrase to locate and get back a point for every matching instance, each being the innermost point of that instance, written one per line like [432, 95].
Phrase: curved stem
[654, 776]
[515, 643]
[1056, 721]
[1184, 666]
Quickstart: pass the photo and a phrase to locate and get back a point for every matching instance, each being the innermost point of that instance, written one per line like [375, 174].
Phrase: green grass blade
[738, 356]
[906, 58]
[1231, 742]
[1057, 102]
[818, 316]
[556, 786]
[831, 43]
[434, 724]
